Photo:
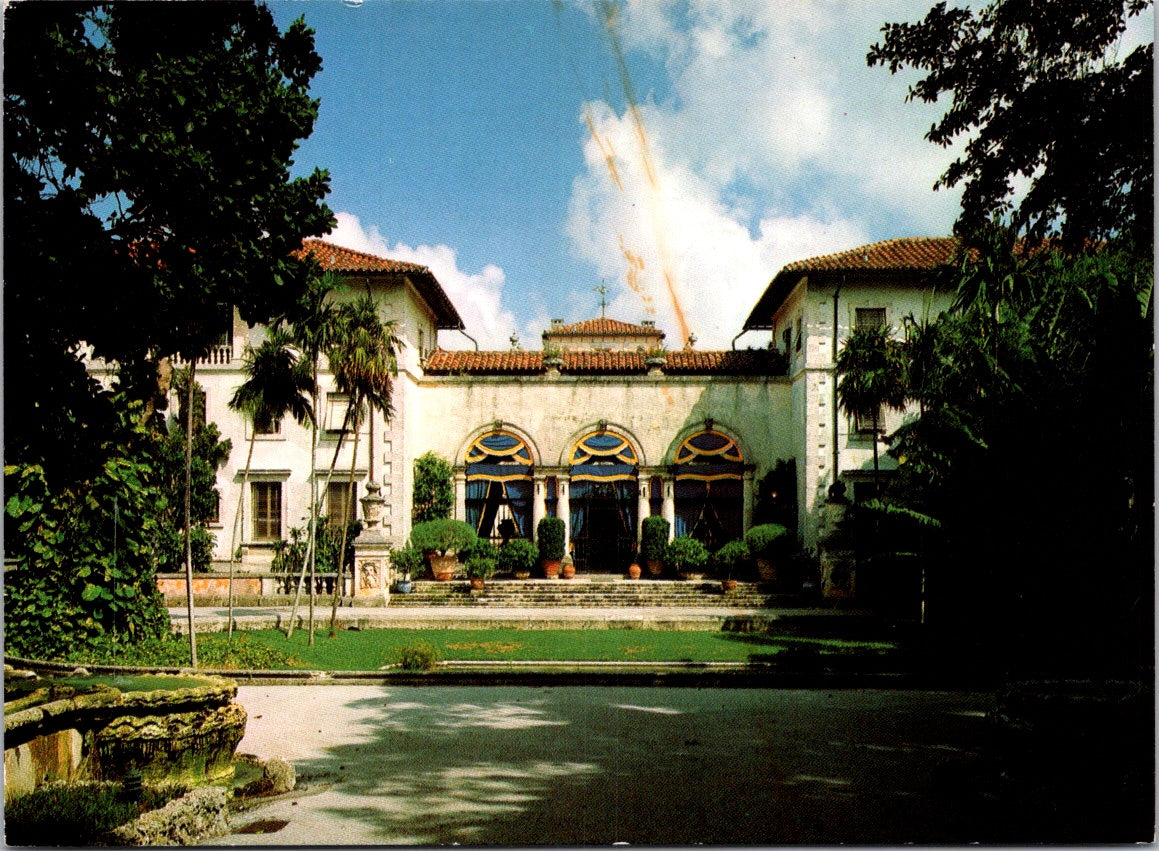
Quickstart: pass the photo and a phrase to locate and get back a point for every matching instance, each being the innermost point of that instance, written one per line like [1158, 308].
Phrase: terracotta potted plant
[727, 560]
[764, 543]
[441, 541]
[550, 533]
[518, 557]
[633, 571]
[654, 543]
[567, 567]
[687, 557]
[406, 562]
[479, 570]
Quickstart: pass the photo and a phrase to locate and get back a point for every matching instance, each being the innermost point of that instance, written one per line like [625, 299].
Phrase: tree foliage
[84, 554]
[1039, 94]
[434, 490]
[1033, 453]
[147, 154]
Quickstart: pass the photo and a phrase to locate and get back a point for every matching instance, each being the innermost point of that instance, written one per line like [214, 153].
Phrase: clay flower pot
[567, 571]
[443, 567]
[633, 571]
[551, 567]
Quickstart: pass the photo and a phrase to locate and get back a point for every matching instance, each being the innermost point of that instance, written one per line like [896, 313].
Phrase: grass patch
[368, 650]
[73, 815]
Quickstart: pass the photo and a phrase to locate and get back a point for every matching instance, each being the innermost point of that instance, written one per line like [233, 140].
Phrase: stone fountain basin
[172, 728]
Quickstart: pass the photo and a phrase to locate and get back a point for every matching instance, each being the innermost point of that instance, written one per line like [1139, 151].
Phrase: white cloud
[777, 143]
[476, 296]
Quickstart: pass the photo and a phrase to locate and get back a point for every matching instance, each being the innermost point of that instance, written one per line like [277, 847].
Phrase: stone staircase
[592, 592]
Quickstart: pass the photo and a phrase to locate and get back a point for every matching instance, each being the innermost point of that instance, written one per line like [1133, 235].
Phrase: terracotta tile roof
[338, 259]
[603, 327]
[686, 362]
[443, 362]
[902, 261]
[346, 261]
[917, 253]
[741, 362]
[604, 363]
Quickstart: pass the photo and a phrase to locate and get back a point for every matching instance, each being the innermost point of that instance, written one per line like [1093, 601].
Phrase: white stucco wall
[655, 413]
[812, 373]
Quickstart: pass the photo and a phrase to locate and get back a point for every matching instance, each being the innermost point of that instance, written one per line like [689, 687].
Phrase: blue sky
[680, 153]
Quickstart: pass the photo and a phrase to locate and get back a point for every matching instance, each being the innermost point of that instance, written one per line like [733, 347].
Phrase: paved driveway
[570, 766]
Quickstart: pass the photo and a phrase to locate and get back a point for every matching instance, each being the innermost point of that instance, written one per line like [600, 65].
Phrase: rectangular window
[870, 317]
[341, 499]
[214, 508]
[267, 428]
[266, 498]
[800, 332]
[787, 336]
[864, 425]
[335, 411]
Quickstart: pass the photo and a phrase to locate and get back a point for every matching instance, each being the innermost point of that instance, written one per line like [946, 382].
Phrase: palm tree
[364, 364]
[278, 382]
[316, 329]
[871, 370]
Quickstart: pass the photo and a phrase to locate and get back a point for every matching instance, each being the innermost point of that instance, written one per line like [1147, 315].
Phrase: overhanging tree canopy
[148, 191]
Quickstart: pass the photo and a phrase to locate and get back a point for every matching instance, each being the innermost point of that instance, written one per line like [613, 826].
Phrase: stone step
[614, 593]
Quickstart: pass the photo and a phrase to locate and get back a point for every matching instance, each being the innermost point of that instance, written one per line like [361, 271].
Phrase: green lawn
[367, 650]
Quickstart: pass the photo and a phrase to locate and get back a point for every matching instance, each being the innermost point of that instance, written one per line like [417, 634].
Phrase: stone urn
[443, 567]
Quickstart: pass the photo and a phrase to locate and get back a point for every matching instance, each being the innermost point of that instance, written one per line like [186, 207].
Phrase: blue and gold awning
[709, 456]
[602, 456]
[498, 456]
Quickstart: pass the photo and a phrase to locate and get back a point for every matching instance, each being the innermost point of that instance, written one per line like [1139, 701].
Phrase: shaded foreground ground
[525, 766]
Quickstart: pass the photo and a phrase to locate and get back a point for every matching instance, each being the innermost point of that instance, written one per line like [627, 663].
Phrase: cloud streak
[775, 143]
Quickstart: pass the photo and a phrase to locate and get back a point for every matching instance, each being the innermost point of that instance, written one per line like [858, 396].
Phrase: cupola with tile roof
[602, 335]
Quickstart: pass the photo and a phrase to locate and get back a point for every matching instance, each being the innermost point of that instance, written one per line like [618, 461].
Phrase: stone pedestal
[838, 561]
[372, 550]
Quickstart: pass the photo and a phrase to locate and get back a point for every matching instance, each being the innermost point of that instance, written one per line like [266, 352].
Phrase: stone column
[538, 503]
[749, 494]
[372, 550]
[460, 495]
[563, 508]
[643, 504]
[668, 508]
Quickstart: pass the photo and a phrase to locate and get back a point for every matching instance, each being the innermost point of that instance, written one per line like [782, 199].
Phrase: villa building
[603, 426]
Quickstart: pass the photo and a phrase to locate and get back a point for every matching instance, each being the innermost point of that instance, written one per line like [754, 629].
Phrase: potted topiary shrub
[406, 562]
[441, 541]
[517, 557]
[480, 568]
[654, 543]
[729, 559]
[687, 557]
[550, 533]
[765, 542]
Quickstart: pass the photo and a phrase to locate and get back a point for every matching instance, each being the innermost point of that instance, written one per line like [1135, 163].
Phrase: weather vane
[603, 291]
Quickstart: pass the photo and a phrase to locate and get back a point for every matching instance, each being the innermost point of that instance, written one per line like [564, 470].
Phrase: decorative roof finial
[514, 338]
[603, 291]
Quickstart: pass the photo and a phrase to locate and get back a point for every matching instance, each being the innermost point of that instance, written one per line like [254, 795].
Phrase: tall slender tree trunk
[188, 509]
[308, 561]
[346, 518]
[237, 519]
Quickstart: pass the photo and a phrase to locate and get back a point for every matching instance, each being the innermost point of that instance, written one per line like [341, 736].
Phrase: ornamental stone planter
[443, 567]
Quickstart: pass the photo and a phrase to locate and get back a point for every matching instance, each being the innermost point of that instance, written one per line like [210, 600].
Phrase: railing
[172, 585]
[222, 354]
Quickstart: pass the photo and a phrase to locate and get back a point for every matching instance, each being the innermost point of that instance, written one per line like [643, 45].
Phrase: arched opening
[604, 496]
[709, 491]
[499, 486]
